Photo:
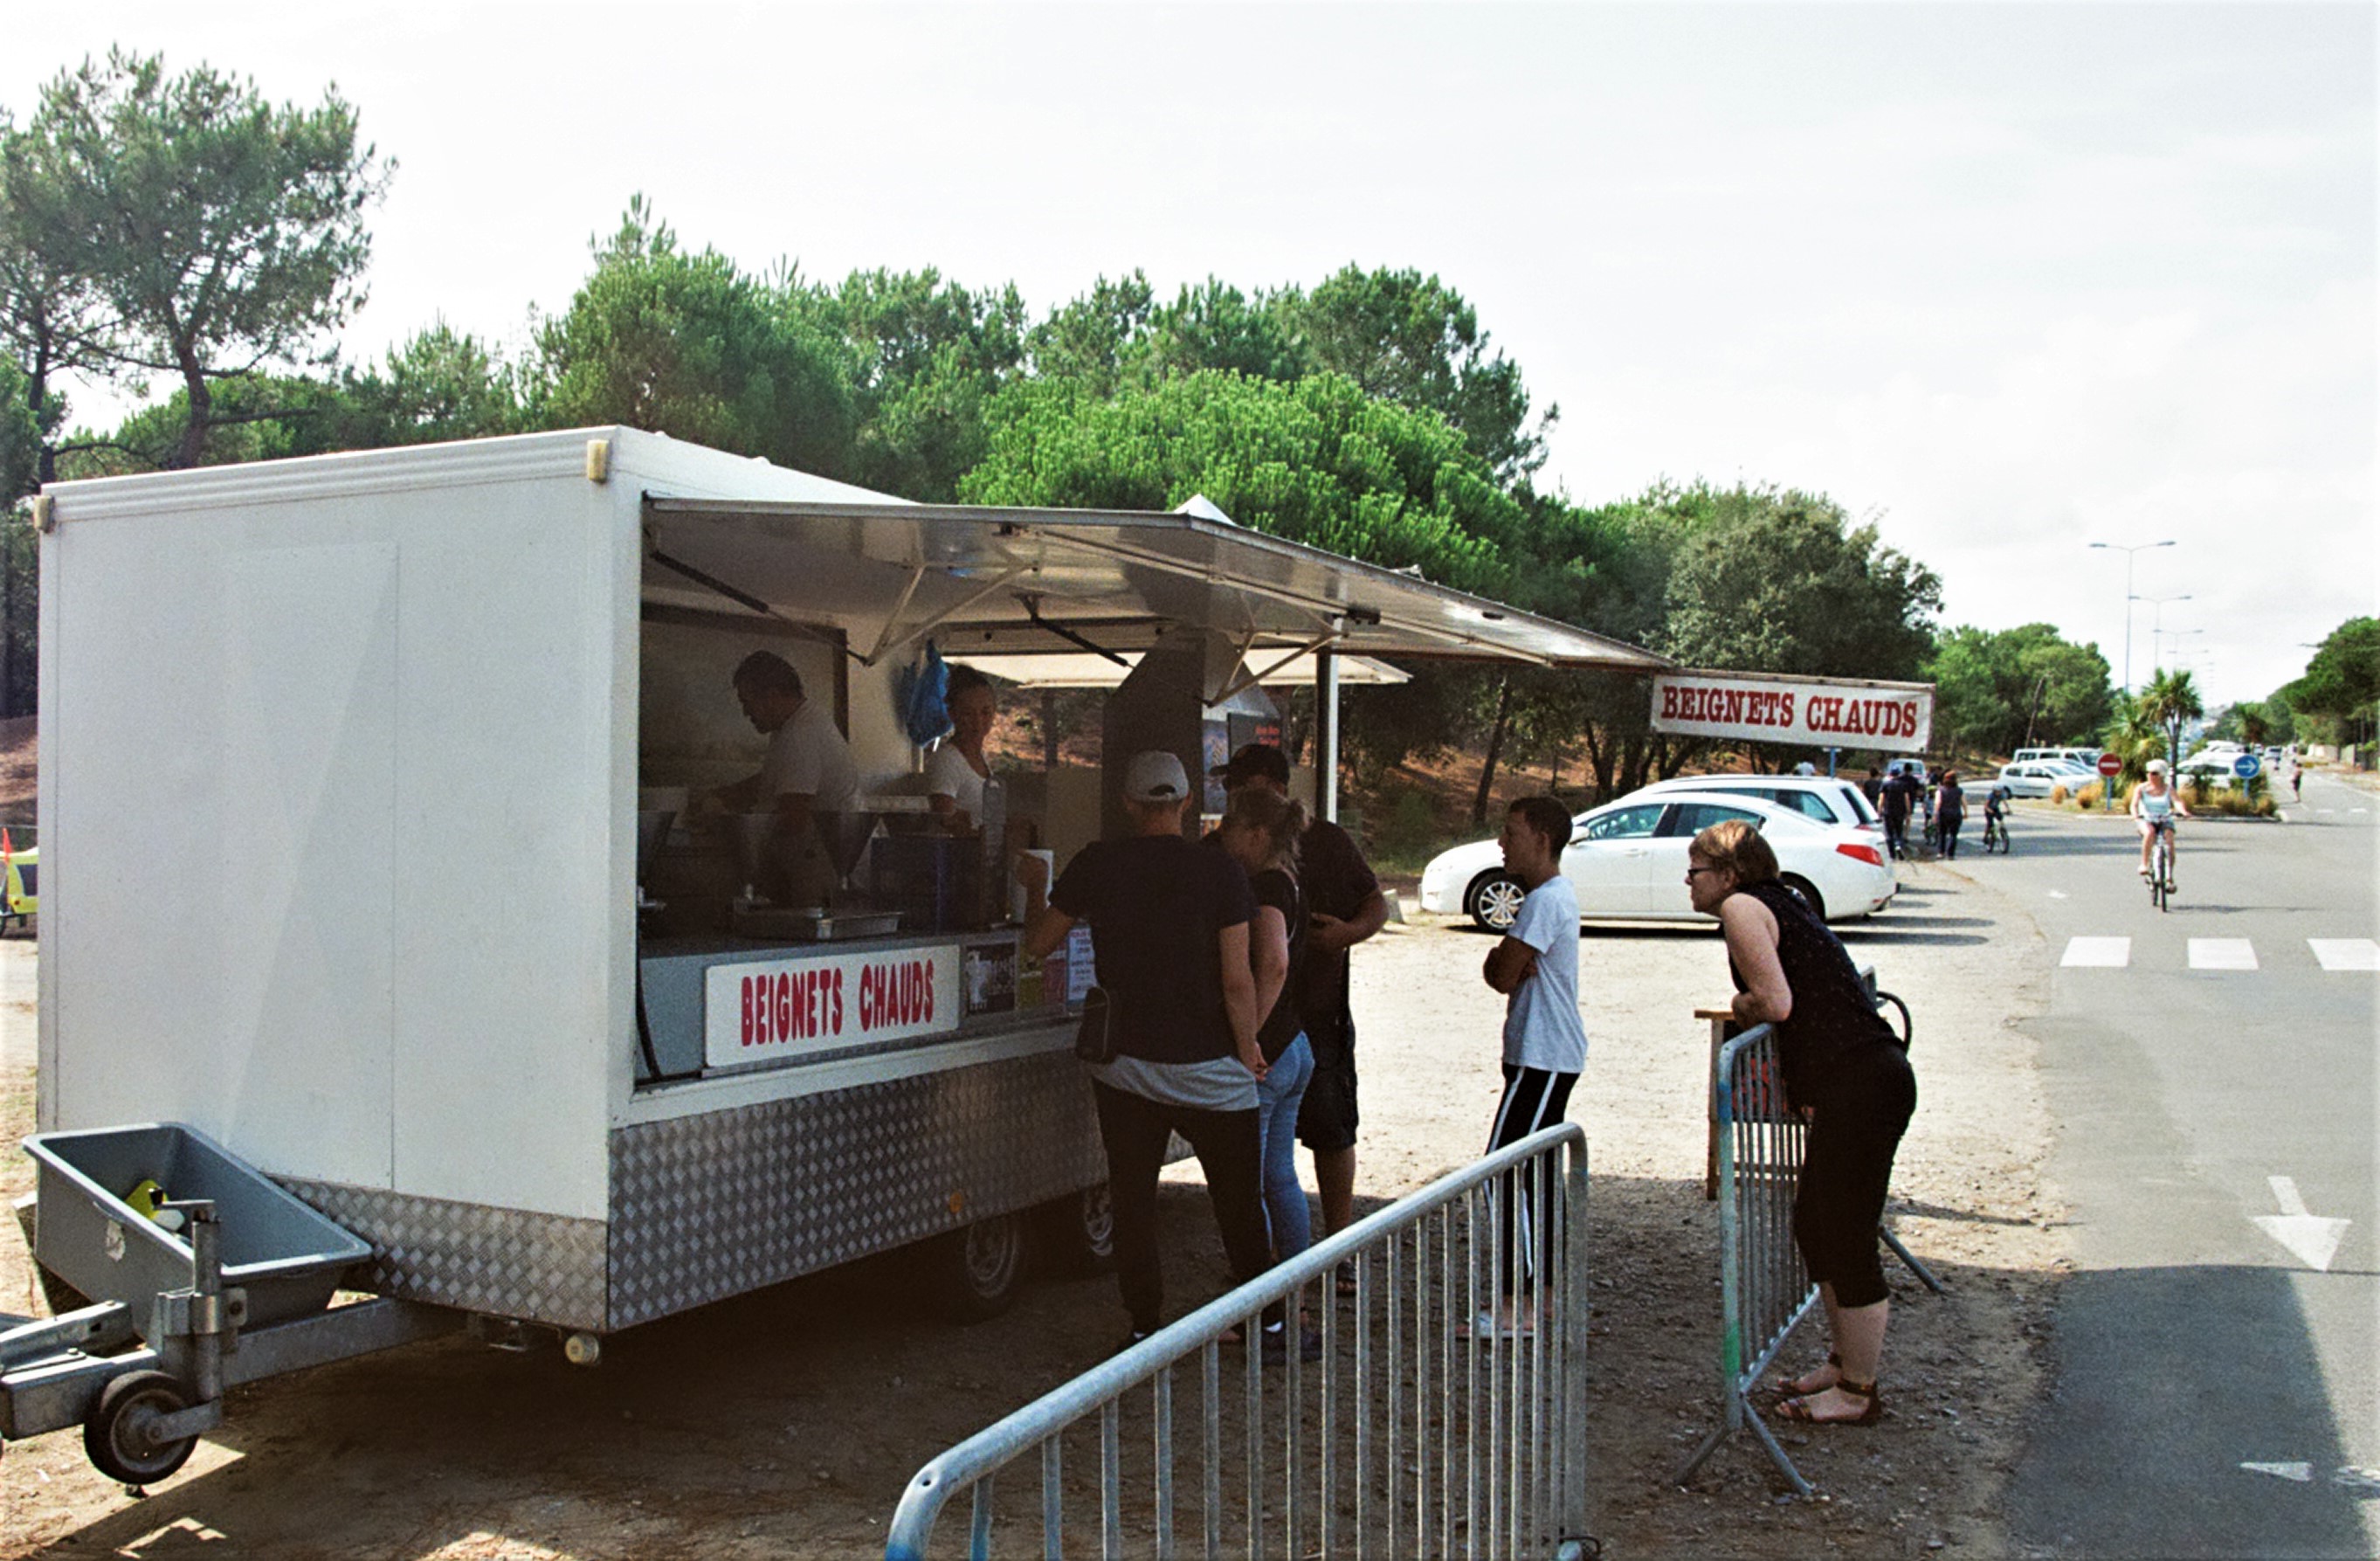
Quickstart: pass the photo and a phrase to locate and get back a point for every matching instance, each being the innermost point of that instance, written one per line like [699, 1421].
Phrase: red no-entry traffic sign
[2110, 765]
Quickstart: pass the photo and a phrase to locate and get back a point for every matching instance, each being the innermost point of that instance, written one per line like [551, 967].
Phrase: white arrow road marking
[2346, 954]
[2222, 954]
[2312, 1239]
[2300, 1472]
[2111, 953]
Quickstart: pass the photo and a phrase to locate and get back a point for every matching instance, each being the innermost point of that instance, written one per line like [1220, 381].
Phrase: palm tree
[2133, 736]
[2169, 699]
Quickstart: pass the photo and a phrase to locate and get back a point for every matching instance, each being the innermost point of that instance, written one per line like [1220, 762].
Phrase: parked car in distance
[2037, 777]
[1627, 860]
[1831, 799]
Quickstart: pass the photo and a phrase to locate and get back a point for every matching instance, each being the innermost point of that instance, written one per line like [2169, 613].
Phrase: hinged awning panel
[1115, 576]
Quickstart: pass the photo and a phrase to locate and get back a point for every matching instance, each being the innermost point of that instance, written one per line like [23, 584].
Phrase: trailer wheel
[1078, 1231]
[118, 1437]
[982, 1267]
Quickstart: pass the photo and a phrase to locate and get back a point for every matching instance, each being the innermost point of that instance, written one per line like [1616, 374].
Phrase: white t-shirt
[809, 757]
[1541, 1024]
[949, 774]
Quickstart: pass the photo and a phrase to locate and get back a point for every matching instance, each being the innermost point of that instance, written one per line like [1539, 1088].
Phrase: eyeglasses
[1691, 871]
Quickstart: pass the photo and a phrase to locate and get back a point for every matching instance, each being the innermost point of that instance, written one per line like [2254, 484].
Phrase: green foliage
[686, 344]
[1316, 461]
[928, 356]
[1413, 340]
[1089, 342]
[1778, 580]
[2341, 685]
[21, 439]
[192, 227]
[1994, 690]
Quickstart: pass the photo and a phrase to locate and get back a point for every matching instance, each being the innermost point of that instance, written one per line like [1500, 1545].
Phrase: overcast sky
[2006, 279]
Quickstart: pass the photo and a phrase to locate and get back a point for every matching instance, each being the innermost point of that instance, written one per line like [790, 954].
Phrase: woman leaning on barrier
[1846, 1072]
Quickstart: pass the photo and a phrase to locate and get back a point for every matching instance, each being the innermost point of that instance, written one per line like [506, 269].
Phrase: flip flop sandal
[1798, 1410]
[1790, 1387]
[1485, 1326]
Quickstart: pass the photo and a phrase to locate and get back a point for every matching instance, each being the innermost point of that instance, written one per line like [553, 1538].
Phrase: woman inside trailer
[956, 770]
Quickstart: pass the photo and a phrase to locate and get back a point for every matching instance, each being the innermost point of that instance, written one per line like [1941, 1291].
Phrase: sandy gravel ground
[786, 1422]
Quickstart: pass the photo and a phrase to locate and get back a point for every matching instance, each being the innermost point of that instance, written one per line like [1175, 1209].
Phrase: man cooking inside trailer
[807, 778]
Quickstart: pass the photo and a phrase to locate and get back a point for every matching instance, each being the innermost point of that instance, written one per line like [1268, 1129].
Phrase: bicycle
[2161, 867]
[1996, 836]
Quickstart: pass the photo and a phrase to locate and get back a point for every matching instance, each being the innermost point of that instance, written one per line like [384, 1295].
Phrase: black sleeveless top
[1834, 1024]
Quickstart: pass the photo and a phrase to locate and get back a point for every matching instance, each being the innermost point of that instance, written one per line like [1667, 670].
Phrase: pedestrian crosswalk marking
[2346, 954]
[2219, 953]
[2222, 954]
[2098, 953]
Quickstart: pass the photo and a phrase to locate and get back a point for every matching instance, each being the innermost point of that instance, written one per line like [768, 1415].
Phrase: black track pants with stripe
[1534, 1099]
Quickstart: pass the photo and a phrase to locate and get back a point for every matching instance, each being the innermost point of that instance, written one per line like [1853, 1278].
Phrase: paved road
[2214, 1048]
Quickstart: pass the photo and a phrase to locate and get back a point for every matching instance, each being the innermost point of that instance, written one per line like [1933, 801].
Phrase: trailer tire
[114, 1436]
[1078, 1231]
[981, 1267]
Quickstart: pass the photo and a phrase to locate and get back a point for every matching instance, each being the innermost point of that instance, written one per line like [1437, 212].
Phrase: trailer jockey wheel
[982, 1267]
[118, 1434]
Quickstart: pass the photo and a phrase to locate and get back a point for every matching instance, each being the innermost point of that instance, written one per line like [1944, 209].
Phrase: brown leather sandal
[1798, 1410]
[1791, 1386]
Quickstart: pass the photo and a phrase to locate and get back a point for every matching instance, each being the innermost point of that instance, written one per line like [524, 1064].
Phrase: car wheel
[1494, 901]
[1808, 892]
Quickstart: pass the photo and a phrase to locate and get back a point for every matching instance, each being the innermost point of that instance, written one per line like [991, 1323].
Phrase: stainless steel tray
[814, 926]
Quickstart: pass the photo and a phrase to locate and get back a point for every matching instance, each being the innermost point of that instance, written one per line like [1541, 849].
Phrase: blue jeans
[1278, 1095]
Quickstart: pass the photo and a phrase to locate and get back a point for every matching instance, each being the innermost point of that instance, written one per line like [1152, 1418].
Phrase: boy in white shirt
[1536, 966]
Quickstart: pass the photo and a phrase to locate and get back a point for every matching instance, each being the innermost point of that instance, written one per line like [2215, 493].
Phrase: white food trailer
[341, 766]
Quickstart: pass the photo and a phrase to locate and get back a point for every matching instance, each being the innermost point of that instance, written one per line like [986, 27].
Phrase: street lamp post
[2176, 635]
[2156, 621]
[2128, 551]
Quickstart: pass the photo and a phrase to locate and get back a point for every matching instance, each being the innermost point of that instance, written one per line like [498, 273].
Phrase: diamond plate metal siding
[713, 1206]
[507, 1262]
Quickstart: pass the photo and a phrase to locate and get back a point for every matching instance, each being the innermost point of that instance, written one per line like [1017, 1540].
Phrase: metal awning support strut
[746, 599]
[936, 620]
[1250, 679]
[1032, 605]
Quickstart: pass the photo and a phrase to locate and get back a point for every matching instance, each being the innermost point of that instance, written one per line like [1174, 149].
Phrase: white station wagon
[1627, 860]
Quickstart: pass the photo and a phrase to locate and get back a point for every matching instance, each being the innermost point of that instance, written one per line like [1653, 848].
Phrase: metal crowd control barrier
[1763, 1289]
[1758, 1141]
[1406, 1438]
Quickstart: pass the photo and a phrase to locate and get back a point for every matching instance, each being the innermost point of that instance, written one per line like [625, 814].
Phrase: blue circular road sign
[2246, 766]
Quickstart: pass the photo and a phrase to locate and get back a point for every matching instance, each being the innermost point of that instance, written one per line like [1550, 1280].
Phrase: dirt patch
[787, 1422]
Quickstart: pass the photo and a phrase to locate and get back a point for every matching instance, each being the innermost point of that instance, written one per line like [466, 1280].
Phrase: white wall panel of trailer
[337, 790]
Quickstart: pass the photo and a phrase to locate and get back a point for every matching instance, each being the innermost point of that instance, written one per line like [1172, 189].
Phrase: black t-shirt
[1155, 905]
[1278, 890]
[1338, 882]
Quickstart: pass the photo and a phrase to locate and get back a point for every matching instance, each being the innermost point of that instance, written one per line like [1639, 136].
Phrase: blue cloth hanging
[924, 694]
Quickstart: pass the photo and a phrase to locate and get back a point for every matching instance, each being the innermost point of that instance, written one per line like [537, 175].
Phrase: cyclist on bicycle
[1996, 803]
[2155, 804]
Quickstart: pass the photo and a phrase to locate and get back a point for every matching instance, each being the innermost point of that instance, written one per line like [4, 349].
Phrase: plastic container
[287, 1257]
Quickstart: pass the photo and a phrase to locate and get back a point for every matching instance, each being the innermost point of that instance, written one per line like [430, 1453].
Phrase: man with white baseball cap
[1170, 930]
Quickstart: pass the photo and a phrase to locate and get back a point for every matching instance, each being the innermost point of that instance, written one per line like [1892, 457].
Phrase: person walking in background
[1899, 794]
[1950, 813]
[1845, 1071]
[1344, 901]
[1535, 966]
[1169, 924]
[1261, 832]
[1873, 787]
